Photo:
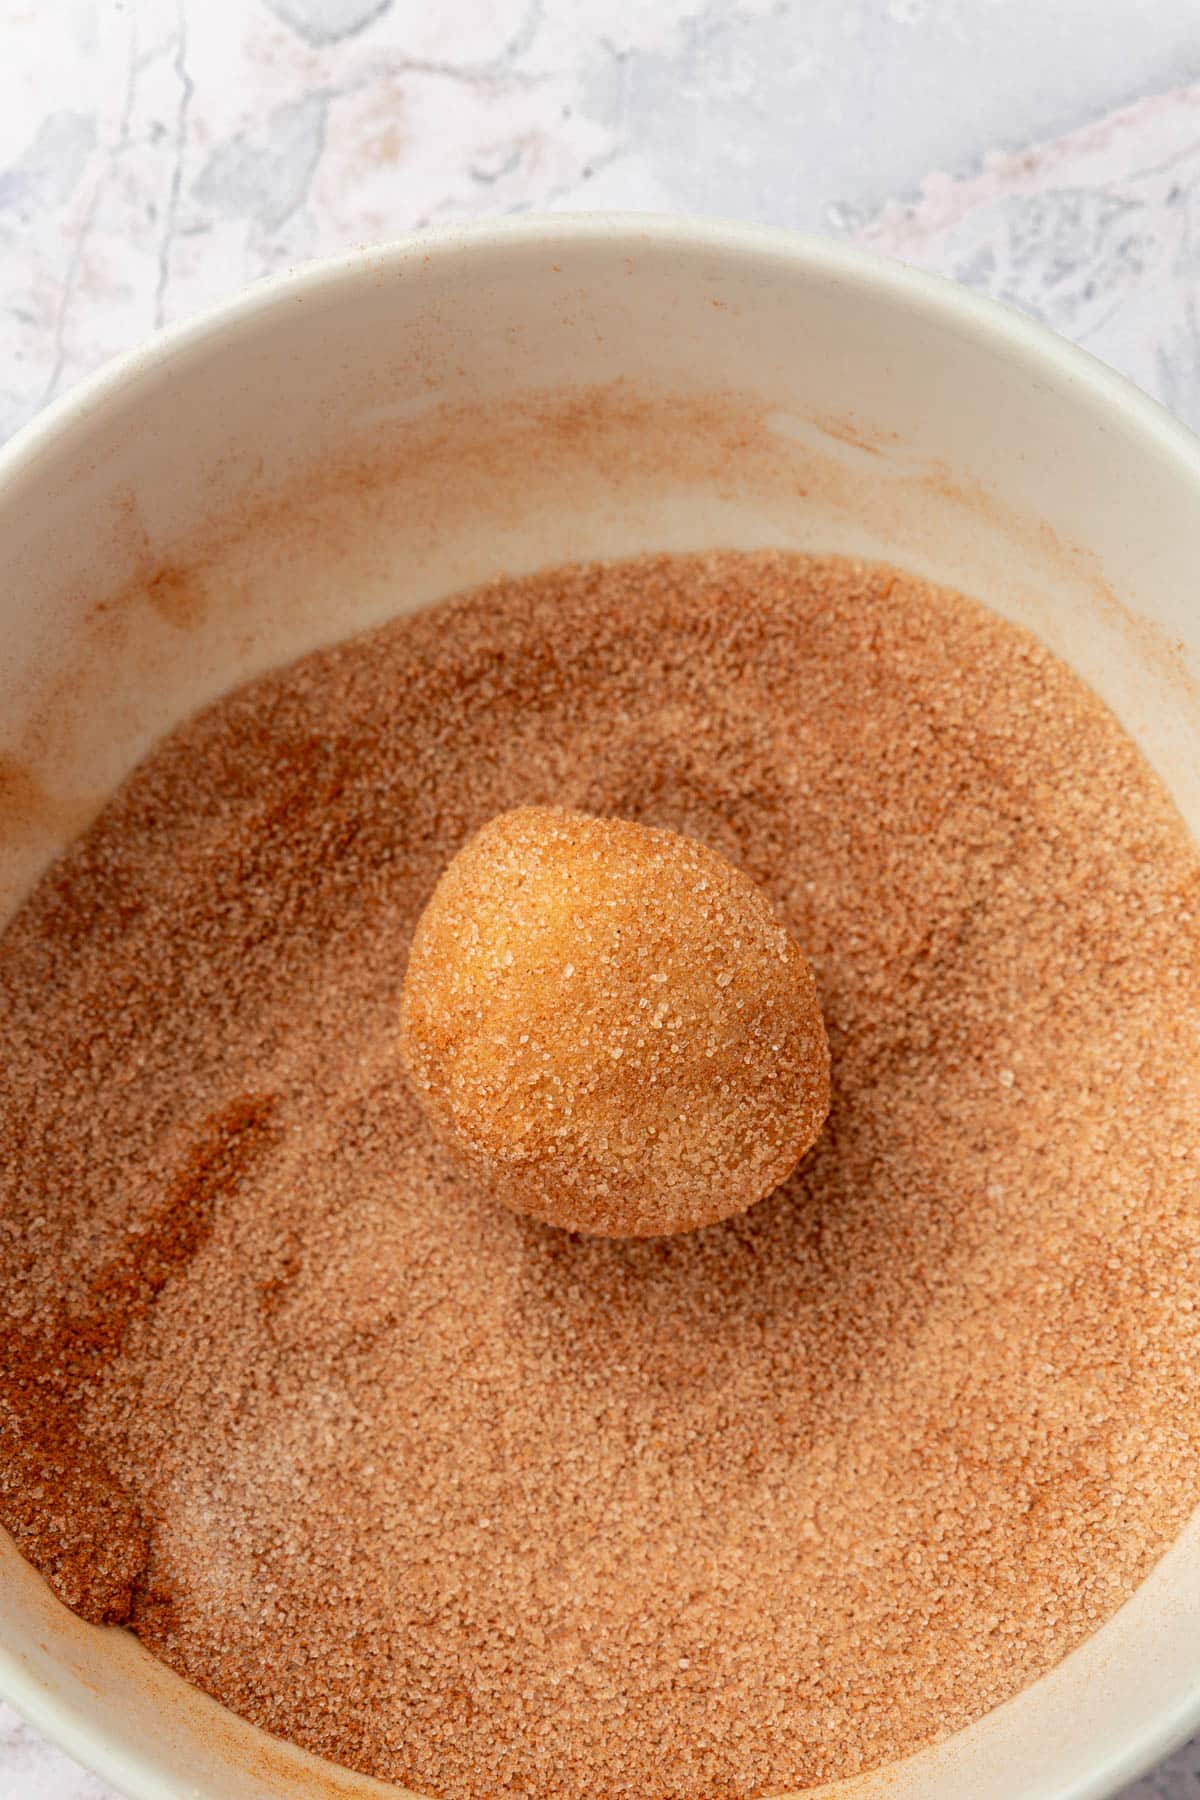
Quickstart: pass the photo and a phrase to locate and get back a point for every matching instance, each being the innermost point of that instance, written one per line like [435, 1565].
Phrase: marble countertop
[155, 155]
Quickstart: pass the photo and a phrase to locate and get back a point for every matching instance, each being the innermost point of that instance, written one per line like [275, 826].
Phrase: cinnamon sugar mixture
[461, 1500]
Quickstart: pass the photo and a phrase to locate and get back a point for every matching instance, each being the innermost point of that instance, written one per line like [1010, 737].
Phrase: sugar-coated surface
[611, 1025]
[469, 1502]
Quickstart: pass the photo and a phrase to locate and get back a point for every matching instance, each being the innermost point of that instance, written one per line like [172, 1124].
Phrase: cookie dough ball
[611, 1027]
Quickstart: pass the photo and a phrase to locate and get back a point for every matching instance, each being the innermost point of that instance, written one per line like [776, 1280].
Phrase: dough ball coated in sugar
[611, 1027]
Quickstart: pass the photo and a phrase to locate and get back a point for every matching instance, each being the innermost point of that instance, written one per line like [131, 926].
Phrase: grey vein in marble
[268, 181]
[326, 21]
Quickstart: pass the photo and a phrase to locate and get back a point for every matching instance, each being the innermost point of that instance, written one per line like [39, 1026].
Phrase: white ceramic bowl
[372, 433]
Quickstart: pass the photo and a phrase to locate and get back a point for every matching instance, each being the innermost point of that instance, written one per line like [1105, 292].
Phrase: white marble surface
[157, 154]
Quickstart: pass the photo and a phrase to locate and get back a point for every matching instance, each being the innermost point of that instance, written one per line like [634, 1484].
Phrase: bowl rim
[943, 302]
[946, 302]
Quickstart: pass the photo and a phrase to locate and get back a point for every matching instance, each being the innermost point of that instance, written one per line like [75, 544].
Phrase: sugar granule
[472, 1504]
